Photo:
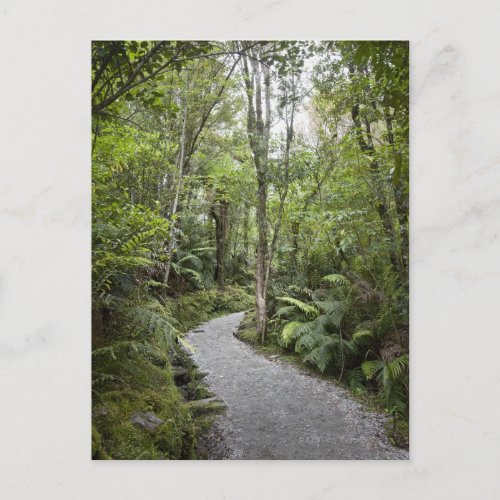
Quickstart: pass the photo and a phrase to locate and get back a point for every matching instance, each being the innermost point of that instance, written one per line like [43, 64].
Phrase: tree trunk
[367, 147]
[258, 88]
[289, 119]
[173, 211]
[220, 217]
[400, 197]
[246, 245]
[260, 265]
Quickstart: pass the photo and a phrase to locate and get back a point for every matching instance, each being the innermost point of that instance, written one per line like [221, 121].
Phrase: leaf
[289, 331]
[284, 311]
[308, 309]
[336, 279]
[361, 334]
[370, 368]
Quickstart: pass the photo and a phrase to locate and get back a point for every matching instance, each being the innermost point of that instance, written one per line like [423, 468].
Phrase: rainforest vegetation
[270, 177]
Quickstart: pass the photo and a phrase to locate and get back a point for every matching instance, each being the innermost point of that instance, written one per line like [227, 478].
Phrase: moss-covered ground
[163, 381]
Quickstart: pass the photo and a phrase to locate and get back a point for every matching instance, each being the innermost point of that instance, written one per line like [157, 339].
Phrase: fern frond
[193, 259]
[284, 311]
[322, 355]
[186, 271]
[361, 335]
[355, 378]
[398, 365]
[203, 250]
[289, 332]
[310, 340]
[350, 348]
[371, 368]
[308, 309]
[336, 279]
[335, 309]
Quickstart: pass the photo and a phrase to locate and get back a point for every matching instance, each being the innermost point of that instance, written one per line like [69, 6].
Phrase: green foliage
[336, 279]
[307, 309]
[316, 333]
[320, 332]
[193, 308]
[392, 377]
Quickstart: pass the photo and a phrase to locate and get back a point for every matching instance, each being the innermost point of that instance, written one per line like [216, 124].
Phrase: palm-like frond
[187, 272]
[290, 332]
[322, 356]
[355, 378]
[308, 309]
[335, 309]
[285, 311]
[371, 368]
[336, 279]
[397, 367]
[392, 379]
[360, 336]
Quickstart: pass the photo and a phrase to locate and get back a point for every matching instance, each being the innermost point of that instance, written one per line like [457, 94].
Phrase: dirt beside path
[274, 411]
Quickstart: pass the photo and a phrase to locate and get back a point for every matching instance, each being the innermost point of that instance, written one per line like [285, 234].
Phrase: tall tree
[257, 80]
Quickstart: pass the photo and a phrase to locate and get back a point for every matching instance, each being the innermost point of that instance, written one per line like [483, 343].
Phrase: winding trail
[275, 411]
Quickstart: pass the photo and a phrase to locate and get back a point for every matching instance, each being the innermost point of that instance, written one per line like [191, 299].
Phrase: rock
[184, 392]
[100, 411]
[206, 406]
[147, 420]
[181, 375]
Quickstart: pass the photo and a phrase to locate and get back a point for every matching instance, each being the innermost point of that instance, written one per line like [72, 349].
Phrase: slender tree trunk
[400, 197]
[246, 245]
[220, 216]
[289, 119]
[180, 165]
[366, 146]
[260, 269]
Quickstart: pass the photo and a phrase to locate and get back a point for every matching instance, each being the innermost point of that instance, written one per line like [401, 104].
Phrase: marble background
[45, 248]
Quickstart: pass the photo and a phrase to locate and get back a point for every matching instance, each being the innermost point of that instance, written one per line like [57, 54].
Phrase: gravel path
[274, 411]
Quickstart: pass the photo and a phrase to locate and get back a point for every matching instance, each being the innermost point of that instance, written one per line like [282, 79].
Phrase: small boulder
[206, 406]
[181, 375]
[200, 375]
[147, 420]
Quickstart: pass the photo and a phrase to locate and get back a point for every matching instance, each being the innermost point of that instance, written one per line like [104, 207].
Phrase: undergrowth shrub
[330, 328]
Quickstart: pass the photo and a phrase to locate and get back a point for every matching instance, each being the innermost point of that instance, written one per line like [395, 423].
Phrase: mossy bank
[143, 392]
